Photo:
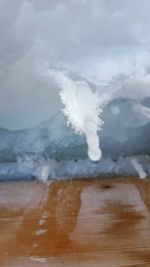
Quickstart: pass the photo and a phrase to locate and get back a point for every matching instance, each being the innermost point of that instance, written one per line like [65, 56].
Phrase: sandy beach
[94, 222]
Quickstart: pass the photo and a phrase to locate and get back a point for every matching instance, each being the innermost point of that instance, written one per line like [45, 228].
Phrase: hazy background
[98, 39]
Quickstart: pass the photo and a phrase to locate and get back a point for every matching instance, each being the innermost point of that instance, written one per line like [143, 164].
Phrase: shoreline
[89, 222]
[69, 169]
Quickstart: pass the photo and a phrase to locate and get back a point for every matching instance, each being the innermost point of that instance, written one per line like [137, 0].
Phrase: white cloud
[99, 39]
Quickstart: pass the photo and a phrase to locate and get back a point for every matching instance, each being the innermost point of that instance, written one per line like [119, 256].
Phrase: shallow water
[75, 223]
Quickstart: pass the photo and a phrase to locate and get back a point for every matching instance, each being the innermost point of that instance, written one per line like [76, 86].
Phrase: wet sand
[90, 223]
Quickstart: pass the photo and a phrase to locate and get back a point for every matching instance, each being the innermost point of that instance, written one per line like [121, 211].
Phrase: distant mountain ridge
[125, 133]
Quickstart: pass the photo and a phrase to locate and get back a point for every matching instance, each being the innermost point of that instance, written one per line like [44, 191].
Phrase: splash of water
[82, 107]
[139, 169]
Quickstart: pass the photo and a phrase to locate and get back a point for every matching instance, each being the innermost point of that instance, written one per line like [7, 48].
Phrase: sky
[97, 39]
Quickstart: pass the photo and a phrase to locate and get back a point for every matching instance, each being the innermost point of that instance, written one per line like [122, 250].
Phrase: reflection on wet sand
[75, 223]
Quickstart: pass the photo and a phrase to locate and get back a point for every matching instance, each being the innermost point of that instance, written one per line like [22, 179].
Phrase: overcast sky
[99, 39]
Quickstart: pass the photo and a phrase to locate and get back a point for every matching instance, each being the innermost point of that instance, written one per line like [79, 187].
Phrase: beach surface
[95, 222]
